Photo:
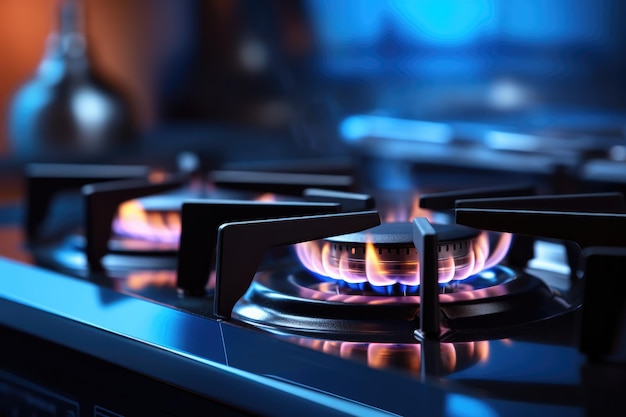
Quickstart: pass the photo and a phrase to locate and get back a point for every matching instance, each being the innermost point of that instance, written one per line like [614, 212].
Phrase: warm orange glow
[482, 351]
[375, 268]
[417, 211]
[332, 347]
[446, 269]
[405, 212]
[405, 356]
[134, 221]
[448, 356]
[385, 355]
[500, 251]
[156, 177]
[267, 197]
[140, 280]
[315, 256]
[12, 245]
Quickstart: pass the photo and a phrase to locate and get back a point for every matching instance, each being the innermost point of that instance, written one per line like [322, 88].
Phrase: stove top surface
[486, 360]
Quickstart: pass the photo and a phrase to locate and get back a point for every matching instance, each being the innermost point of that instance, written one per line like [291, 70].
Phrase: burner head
[393, 242]
[385, 255]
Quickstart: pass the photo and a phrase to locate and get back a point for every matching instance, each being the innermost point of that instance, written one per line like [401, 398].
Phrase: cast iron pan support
[604, 305]
[348, 201]
[235, 271]
[44, 181]
[425, 241]
[200, 222]
[603, 298]
[284, 183]
[522, 250]
[201, 219]
[445, 201]
[603, 330]
[586, 229]
[101, 203]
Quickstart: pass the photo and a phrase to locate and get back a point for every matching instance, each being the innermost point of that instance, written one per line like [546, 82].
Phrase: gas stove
[142, 292]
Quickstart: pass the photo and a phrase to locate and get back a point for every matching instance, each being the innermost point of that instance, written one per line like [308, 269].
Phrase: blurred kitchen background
[541, 82]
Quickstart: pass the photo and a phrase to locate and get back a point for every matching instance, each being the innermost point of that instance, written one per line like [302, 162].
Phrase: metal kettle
[66, 111]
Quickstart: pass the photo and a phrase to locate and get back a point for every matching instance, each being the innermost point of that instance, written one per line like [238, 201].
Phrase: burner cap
[401, 233]
[394, 242]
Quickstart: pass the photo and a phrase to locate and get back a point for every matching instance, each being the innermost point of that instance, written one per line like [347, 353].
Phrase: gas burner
[153, 222]
[392, 245]
[489, 300]
[385, 257]
[297, 302]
